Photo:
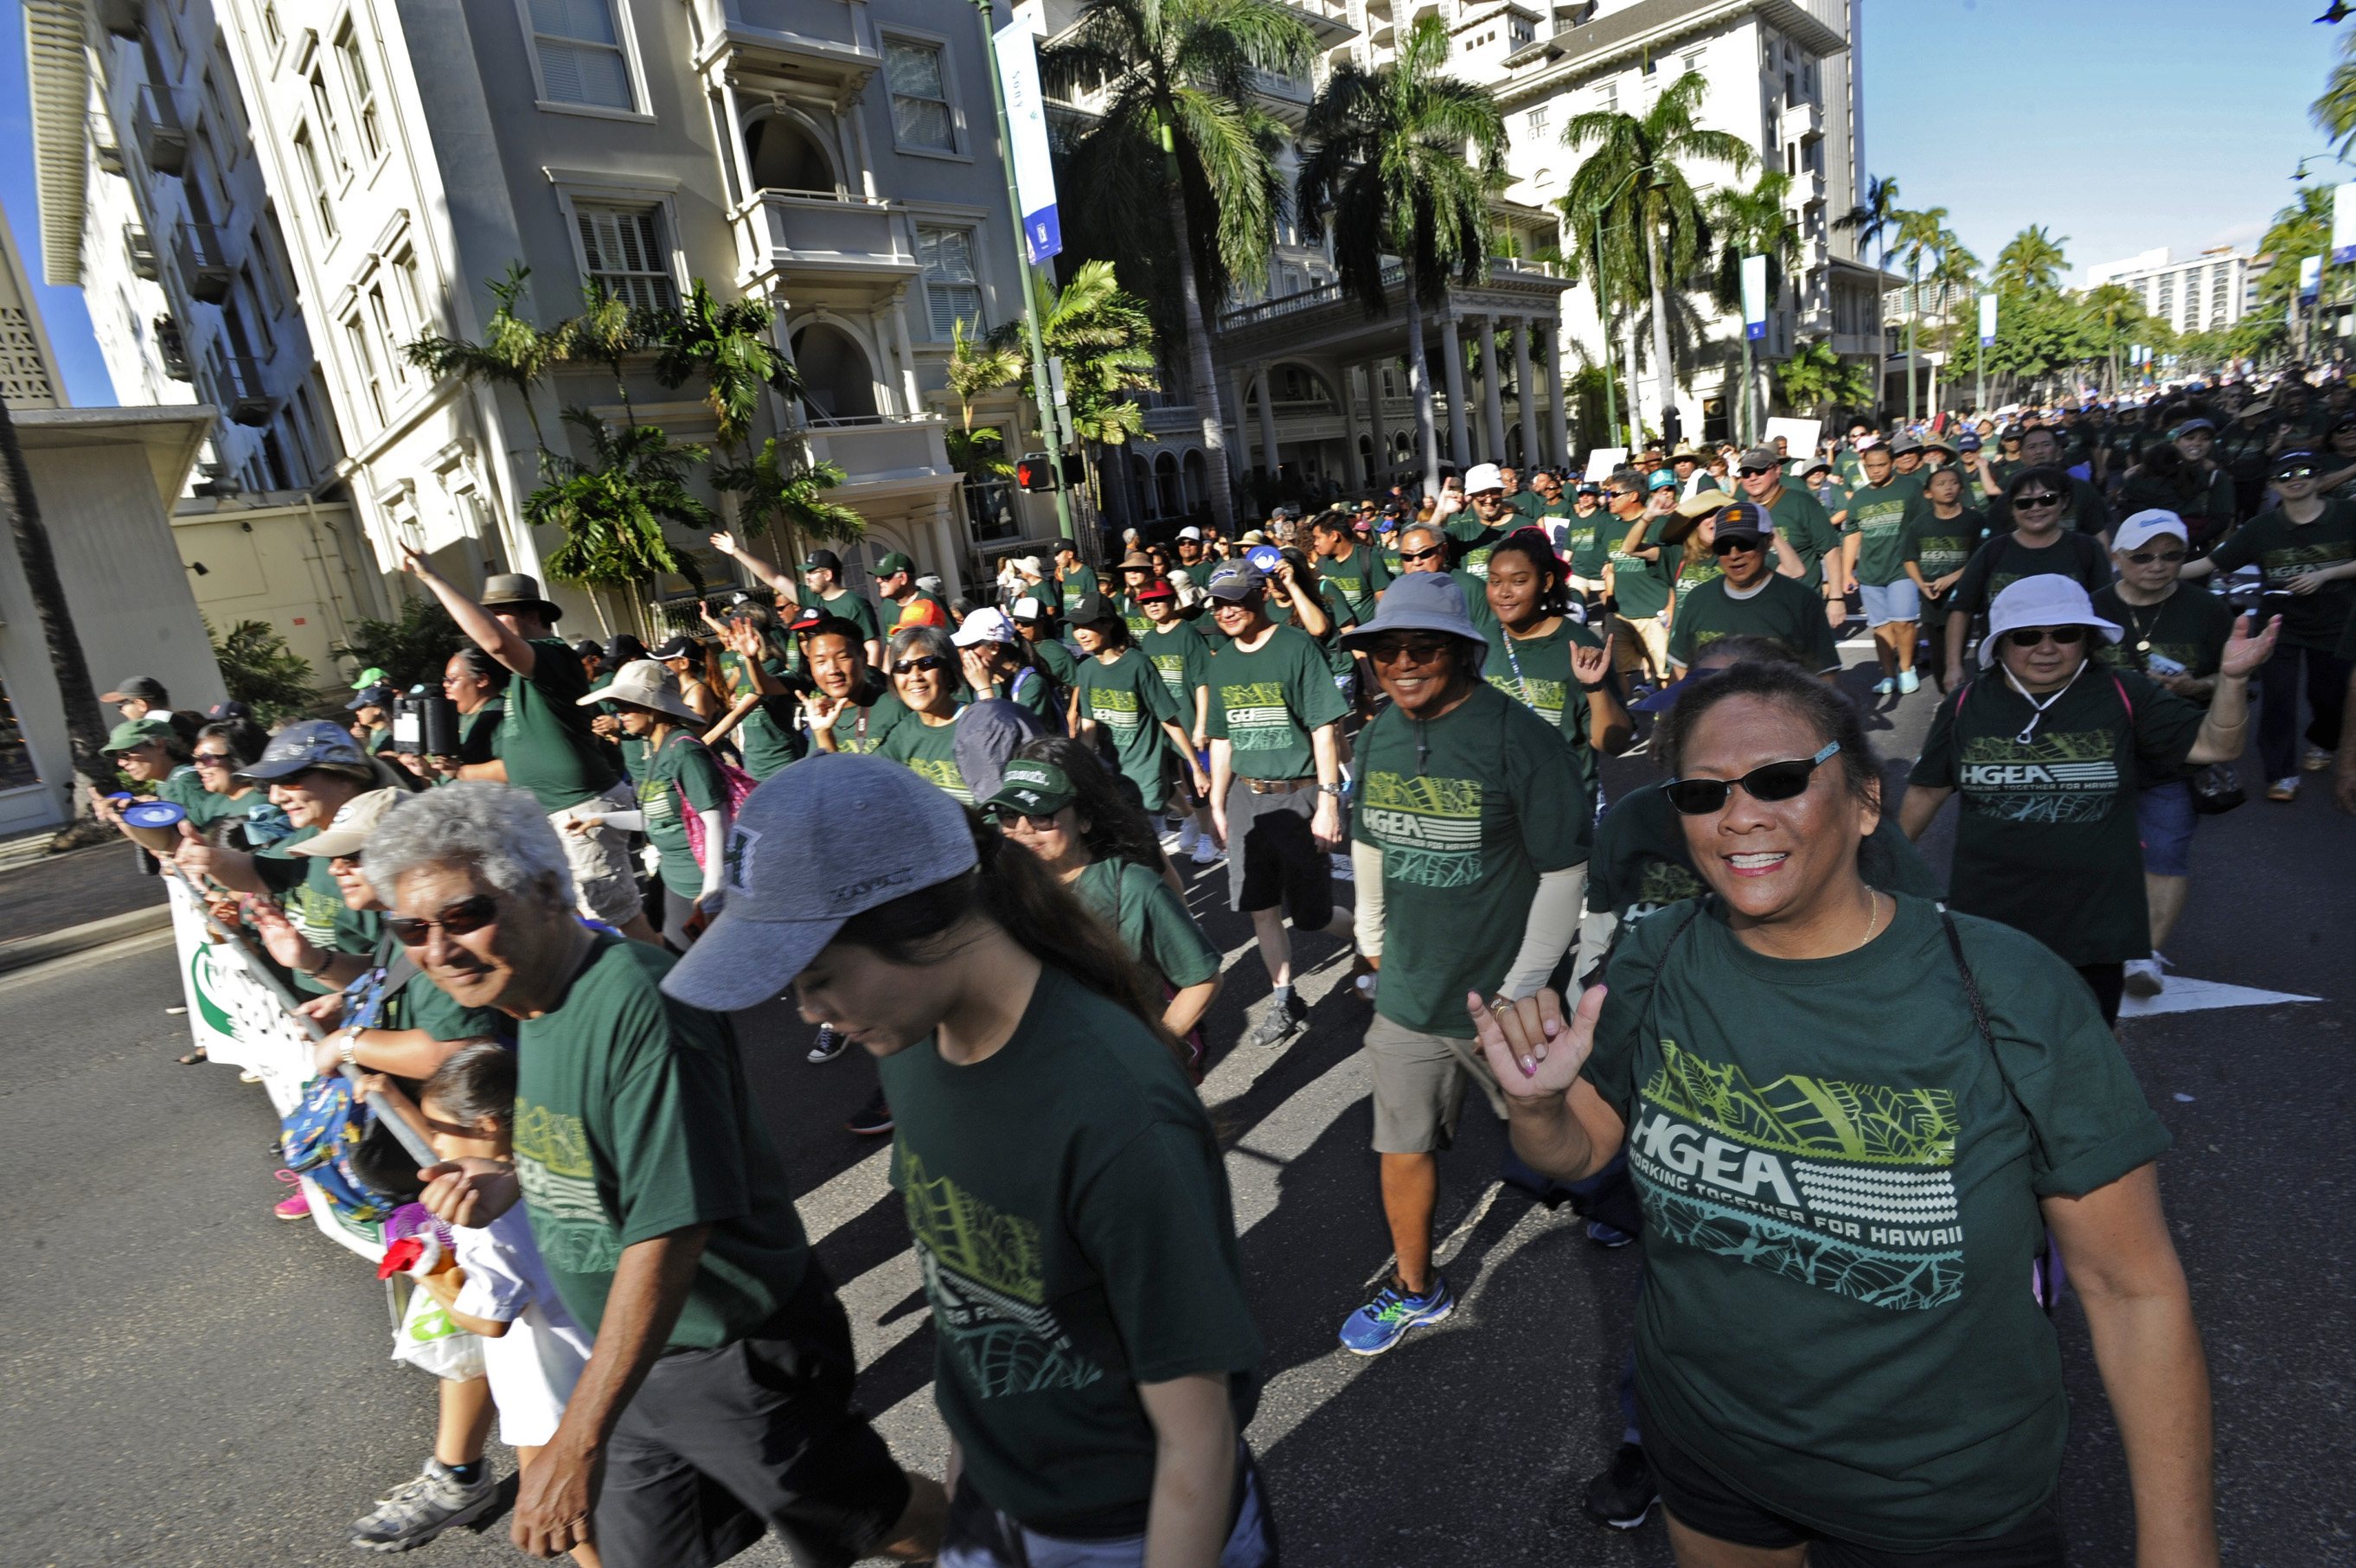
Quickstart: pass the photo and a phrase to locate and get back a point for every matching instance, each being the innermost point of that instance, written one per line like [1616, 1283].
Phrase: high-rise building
[2206, 290]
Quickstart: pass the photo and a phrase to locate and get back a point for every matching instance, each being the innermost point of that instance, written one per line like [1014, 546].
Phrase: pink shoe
[297, 1203]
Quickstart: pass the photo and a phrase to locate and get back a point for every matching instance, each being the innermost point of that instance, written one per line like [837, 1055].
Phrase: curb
[27, 951]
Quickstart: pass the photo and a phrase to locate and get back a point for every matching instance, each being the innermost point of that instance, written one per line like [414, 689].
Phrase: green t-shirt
[1057, 659]
[1079, 580]
[2207, 507]
[1880, 515]
[1778, 608]
[1153, 922]
[768, 737]
[1266, 703]
[1581, 540]
[1641, 862]
[1804, 529]
[854, 607]
[930, 750]
[1070, 1208]
[1357, 577]
[1474, 542]
[2048, 842]
[1181, 657]
[1129, 704]
[1468, 810]
[632, 1120]
[2188, 629]
[1840, 1212]
[1535, 672]
[306, 889]
[544, 735]
[1640, 587]
[865, 729]
[1526, 503]
[681, 763]
[2286, 551]
[184, 787]
[1941, 545]
[2005, 560]
[1692, 574]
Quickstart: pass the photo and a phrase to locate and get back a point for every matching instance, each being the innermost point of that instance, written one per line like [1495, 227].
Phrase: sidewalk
[60, 891]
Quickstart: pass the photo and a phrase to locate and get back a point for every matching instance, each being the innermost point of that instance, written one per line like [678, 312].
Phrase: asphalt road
[191, 1383]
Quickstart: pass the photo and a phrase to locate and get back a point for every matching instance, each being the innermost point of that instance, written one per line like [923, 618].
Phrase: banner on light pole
[2311, 276]
[1987, 321]
[1026, 132]
[1754, 297]
[2344, 224]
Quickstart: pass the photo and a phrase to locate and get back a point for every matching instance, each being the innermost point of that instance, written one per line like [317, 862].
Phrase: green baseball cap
[1032, 789]
[131, 734]
[896, 561]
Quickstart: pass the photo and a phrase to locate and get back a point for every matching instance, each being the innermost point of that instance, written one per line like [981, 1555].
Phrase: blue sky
[2123, 124]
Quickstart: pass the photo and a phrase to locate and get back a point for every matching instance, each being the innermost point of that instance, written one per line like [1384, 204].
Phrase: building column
[1353, 468]
[1268, 417]
[911, 397]
[857, 110]
[1557, 413]
[1493, 408]
[947, 556]
[1375, 428]
[1452, 355]
[736, 112]
[1525, 392]
[1239, 379]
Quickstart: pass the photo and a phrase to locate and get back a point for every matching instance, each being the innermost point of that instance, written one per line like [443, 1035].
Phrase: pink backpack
[739, 785]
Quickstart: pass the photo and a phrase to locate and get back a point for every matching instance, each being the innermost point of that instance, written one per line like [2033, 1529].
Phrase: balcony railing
[823, 231]
[103, 148]
[243, 393]
[878, 448]
[804, 32]
[205, 265]
[172, 350]
[1803, 120]
[142, 251]
[156, 127]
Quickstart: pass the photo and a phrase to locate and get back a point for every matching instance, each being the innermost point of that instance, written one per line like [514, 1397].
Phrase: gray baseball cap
[315, 743]
[1235, 580]
[1422, 601]
[831, 837]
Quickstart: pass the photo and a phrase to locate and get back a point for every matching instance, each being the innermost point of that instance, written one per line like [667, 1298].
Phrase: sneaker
[1624, 1493]
[1909, 682]
[830, 1043]
[2315, 760]
[1884, 687]
[1606, 1236]
[1384, 1321]
[1278, 1021]
[420, 1510]
[871, 1120]
[2284, 788]
[1343, 870]
[2144, 977]
[297, 1203]
[1190, 837]
[1206, 851]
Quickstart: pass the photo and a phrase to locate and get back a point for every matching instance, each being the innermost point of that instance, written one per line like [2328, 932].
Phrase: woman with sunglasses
[1096, 1360]
[1546, 660]
[1849, 1211]
[2307, 547]
[2038, 546]
[928, 679]
[2047, 747]
[221, 749]
[1070, 815]
[675, 775]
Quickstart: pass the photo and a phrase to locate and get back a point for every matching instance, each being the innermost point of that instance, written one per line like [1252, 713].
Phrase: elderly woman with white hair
[2047, 747]
[715, 1404]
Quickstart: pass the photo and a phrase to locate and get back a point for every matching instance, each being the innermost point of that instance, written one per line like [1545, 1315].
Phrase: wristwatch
[1337, 789]
[344, 1051]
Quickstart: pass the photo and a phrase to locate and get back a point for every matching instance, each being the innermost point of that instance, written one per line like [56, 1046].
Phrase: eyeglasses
[2146, 557]
[1755, 472]
[1769, 781]
[2030, 636]
[211, 758]
[2299, 473]
[1421, 650]
[2042, 499]
[1746, 542]
[1419, 554]
[926, 661]
[1035, 822]
[458, 919]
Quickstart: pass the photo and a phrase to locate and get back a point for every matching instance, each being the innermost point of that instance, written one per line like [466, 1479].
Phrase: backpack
[738, 783]
[319, 1137]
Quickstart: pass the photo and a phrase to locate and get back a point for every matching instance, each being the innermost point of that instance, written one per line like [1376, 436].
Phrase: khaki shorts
[1420, 1087]
[1650, 635]
[605, 883]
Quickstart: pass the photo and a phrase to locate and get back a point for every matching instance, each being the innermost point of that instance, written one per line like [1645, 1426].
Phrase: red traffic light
[1035, 471]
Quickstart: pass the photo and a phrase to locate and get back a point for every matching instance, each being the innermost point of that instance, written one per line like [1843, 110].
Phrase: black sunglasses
[1743, 542]
[926, 662]
[465, 916]
[1419, 554]
[2146, 557]
[2030, 636]
[1007, 818]
[1769, 781]
[2041, 499]
[2301, 472]
[1422, 649]
[211, 758]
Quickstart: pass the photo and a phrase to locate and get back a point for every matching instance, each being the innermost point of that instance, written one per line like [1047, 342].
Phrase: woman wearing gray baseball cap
[1061, 1177]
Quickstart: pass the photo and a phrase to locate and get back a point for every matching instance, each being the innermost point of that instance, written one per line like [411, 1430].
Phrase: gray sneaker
[1278, 1022]
[420, 1509]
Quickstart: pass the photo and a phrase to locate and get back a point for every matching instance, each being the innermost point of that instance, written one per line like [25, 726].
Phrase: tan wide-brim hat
[645, 684]
[349, 833]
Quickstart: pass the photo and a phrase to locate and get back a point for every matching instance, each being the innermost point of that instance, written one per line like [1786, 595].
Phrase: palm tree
[612, 509]
[727, 348]
[1919, 235]
[1817, 377]
[1954, 273]
[779, 491]
[513, 353]
[2032, 261]
[93, 776]
[1389, 157]
[1104, 339]
[2334, 112]
[978, 365]
[1636, 180]
[1178, 125]
[1753, 223]
[1874, 222]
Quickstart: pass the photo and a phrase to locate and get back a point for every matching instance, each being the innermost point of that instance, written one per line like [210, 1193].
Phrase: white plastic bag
[427, 1338]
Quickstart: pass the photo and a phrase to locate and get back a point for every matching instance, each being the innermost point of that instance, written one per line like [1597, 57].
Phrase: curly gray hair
[498, 832]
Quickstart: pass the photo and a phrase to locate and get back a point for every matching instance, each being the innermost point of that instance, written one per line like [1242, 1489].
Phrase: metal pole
[1031, 283]
[1742, 423]
[1604, 330]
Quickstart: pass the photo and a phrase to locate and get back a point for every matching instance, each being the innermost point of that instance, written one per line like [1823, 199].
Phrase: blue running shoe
[1384, 1321]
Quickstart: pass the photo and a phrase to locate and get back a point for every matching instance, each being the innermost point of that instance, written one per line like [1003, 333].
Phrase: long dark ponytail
[1013, 889]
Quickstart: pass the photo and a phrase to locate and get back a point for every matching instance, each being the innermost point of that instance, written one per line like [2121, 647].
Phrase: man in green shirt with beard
[1470, 851]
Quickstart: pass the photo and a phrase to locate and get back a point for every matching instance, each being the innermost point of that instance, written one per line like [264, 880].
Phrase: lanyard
[2029, 733]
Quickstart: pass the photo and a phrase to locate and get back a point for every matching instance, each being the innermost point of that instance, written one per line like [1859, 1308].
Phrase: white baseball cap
[1191, 532]
[2146, 525]
[1482, 476]
[2046, 599]
[985, 625]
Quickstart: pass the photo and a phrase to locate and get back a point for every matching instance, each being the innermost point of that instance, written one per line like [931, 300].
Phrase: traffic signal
[1035, 471]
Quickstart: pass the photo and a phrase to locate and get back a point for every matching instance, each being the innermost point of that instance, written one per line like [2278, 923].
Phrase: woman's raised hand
[1534, 1051]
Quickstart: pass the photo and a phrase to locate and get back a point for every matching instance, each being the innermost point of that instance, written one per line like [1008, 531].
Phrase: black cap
[221, 712]
[822, 561]
[588, 648]
[1083, 609]
[139, 688]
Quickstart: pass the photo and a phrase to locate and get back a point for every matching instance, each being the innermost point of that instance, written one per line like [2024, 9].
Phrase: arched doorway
[1140, 482]
[1169, 501]
[838, 382]
[784, 155]
[1195, 475]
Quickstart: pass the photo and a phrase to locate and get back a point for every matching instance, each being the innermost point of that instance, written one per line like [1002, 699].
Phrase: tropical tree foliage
[612, 506]
[782, 494]
[258, 668]
[1816, 378]
[410, 648]
[1403, 157]
[979, 365]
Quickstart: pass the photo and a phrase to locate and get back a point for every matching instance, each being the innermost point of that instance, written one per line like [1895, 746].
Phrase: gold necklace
[1872, 916]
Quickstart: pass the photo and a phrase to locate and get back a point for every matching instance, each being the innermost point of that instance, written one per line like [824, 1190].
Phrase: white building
[368, 168]
[2210, 290]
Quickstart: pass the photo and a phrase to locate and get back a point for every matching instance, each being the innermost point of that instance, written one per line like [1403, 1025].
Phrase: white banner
[2344, 224]
[1604, 461]
[1799, 436]
[1026, 131]
[2311, 276]
[1987, 321]
[1754, 297]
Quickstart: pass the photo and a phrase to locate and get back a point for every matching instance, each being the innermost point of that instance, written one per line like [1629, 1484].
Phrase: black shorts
[721, 1446]
[1273, 859]
[1704, 1503]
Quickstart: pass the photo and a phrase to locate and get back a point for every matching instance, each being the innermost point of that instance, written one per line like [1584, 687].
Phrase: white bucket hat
[2046, 599]
[1482, 476]
[645, 683]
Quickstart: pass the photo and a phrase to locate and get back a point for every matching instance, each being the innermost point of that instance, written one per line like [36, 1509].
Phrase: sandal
[193, 1058]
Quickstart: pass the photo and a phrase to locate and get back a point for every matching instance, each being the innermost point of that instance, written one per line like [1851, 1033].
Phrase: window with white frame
[364, 364]
[315, 182]
[1608, 95]
[921, 116]
[1536, 121]
[623, 251]
[324, 111]
[385, 332]
[362, 87]
[952, 287]
[582, 58]
[413, 296]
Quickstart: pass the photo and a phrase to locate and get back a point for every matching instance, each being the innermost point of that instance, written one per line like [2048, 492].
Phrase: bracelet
[1595, 686]
[350, 1046]
[324, 960]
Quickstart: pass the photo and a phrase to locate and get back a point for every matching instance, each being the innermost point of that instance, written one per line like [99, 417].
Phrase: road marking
[2184, 996]
[845, 1195]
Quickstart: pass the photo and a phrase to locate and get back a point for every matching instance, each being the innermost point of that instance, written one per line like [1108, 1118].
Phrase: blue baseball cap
[313, 743]
[1235, 580]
